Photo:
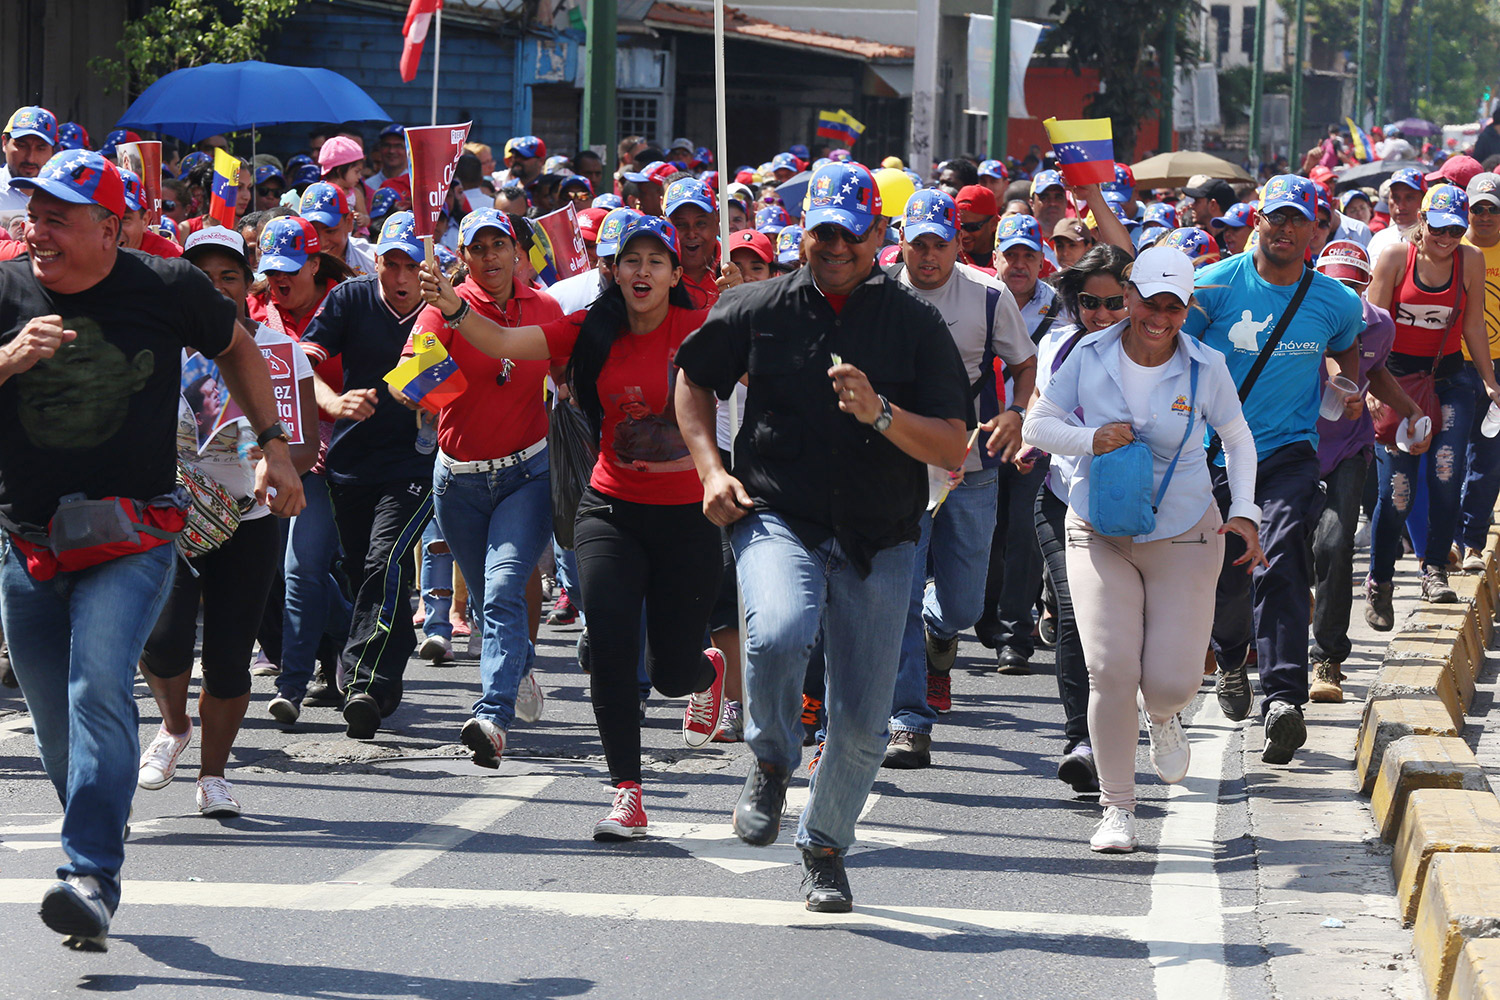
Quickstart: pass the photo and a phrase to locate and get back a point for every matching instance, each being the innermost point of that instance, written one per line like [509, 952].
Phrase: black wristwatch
[882, 422]
[1017, 408]
[276, 430]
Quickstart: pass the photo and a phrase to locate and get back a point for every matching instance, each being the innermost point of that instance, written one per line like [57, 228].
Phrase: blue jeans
[74, 644]
[437, 574]
[315, 602]
[1445, 480]
[788, 590]
[1482, 471]
[958, 539]
[497, 524]
[567, 576]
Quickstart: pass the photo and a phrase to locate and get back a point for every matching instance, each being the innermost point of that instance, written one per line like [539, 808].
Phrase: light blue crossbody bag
[1121, 502]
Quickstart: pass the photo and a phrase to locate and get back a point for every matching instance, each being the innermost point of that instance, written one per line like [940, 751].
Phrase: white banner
[1023, 39]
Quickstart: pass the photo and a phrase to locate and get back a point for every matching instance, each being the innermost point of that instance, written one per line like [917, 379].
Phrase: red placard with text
[144, 158]
[433, 152]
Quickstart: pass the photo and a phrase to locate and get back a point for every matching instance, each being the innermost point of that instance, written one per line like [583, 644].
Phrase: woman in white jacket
[1145, 604]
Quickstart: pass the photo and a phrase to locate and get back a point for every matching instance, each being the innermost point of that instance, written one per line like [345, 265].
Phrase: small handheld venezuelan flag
[1364, 148]
[225, 190]
[1085, 149]
[430, 377]
[840, 126]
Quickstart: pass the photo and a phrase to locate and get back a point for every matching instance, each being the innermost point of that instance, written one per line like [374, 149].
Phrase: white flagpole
[437, 57]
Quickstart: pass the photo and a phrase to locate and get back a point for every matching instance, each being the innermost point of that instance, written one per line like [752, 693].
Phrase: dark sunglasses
[829, 233]
[268, 192]
[974, 227]
[1455, 232]
[1287, 217]
[1114, 303]
[1483, 208]
[169, 206]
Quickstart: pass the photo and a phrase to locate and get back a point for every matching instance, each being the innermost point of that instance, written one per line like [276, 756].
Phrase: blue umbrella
[200, 101]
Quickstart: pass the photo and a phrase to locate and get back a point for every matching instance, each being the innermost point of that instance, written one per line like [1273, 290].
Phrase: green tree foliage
[181, 33]
[1119, 38]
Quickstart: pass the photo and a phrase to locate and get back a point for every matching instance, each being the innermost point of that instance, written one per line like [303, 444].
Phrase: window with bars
[640, 115]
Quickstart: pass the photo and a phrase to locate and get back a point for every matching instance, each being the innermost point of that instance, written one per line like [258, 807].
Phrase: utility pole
[1298, 81]
[599, 95]
[1359, 68]
[1257, 80]
[1164, 140]
[924, 88]
[1000, 81]
[1385, 41]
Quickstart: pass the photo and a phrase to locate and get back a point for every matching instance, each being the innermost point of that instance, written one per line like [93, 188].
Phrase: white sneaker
[284, 710]
[437, 649]
[1115, 833]
[485, 739]
[1170, 751]
[529, 698]
[215, 798]
[159, 762]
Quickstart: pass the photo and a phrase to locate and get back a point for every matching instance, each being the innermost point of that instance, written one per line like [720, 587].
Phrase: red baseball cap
[1456, 170]
[977, 199]
[589, 221]
[754, 241]
[1345, 259]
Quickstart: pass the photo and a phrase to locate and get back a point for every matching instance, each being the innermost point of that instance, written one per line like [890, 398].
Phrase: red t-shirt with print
[642, 457]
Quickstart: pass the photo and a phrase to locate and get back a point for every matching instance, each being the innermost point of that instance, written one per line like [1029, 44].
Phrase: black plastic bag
[572, 452]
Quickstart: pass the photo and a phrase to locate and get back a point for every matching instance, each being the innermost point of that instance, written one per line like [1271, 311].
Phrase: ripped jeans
[1445, 479]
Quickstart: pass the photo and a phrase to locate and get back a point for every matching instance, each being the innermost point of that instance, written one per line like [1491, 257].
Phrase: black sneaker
[1379, 613]
[824, 882]
[321, 694]
[1013, 661]
[361, 717]
[75, 909]
[1435, 588]
[908, 751]
[1285, 733]
[757, 815]
[1232, 687]
[1078, 769]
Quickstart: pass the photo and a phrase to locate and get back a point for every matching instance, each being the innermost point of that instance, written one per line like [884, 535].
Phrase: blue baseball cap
[33, 120]
[655, 227]
[399, 232]
[268, 171]
[190, 161]
[772, 219]
[1239, 215]
[81, 177]
[800, 151]
[1292, 191]
[393, 129]
[1159, 213]
[1046, 180]
[789, 245]
[608, 202]
[1197, 244]
[576, 180]
[1124, 182]
[994, 168]
[325, 203]
[1411, 177]
[286, 244]
[114, 138]
[608, 243]
[687, 191]
[71, 135]
[785, 161]
[1146, 236]
[1018, 231]
[446, 258]
[1349, 196]
[133, 190]
[383, 202]
[1446, 205]
[844, 194]
[525, 147]
[295, 161]
[1116, 201]
[930, 211]
[307, 173]
[484, 218]
[650, 174]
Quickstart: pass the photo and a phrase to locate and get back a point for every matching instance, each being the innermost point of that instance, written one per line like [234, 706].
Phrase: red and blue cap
[930, 211]
[82, 177]
[844, 194]
[325, 203]
[399, 232]
[608, 202]
[307, 173]
[287, 243]
[1197, 244]
[655, 227]
[608, 243]
[800, 151]
[1046, 180]
[772, 219]
[1291, 191]
[188, 162]
[383, 201]
[134, 193]
[1124, 181]
[297, 161]
[1411, 177]
[116, 137]
[393, 129]
[71, 135]
[702, 157]
[687, 191]
[1240, 215]
[789, 245]
[786, 161]
[655, 172]
[1018, 231]
[577, 180]
[1159, 213]
[524, 147]
[1446, 205]
[268, 171]
[33, 120]
[993, 168]
[484, 218]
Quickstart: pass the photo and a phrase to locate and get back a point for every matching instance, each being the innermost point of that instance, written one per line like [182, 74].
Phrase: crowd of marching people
[778, 478]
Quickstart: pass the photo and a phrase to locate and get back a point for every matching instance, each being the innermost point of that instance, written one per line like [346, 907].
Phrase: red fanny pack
[85, 533]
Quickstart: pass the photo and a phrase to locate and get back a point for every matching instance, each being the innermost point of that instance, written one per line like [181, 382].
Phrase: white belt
[491, 464]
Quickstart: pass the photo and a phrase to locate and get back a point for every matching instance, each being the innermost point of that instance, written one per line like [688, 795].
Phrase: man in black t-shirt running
[90, 340]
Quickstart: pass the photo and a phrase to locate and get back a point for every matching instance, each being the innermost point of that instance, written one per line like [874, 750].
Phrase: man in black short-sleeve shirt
[828, 487]
[91, 339]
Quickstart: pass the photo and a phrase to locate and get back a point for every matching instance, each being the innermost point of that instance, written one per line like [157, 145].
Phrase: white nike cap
[1163, 269]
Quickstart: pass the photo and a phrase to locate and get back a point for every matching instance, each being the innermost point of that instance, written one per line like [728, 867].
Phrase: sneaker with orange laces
[627, 816]
[817, 757]
[940, 691]
[705, 709]
[812, 711]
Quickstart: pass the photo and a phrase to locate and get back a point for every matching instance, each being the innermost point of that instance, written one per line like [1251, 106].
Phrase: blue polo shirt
[1236, 310]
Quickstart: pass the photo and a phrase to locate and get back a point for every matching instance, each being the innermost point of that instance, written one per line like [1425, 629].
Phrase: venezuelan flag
[841, 126]
[1364, 148]
[225, 190]
[543, 259]
[430, 377]
[1085, 149]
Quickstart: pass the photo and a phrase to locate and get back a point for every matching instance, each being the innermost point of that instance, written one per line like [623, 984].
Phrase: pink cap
[337, 152]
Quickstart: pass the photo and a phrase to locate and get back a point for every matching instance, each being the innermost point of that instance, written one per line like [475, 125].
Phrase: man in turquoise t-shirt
[1241, 300]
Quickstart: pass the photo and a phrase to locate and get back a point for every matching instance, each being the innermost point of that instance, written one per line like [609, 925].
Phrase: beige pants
[1144, 614]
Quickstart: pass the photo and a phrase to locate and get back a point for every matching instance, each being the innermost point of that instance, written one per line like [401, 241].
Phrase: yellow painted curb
[1388, 720]
[1477, 975]
[1404, 678]
[1414, 762]
[1440, 821]
[1460, 902]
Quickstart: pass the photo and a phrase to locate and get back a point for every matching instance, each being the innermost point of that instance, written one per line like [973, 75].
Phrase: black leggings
[232, 581]
[1072, 670]
[667, 556]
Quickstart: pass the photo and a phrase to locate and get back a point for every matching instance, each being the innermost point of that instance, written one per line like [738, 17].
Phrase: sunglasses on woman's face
[1114, 303]
[1452, 232]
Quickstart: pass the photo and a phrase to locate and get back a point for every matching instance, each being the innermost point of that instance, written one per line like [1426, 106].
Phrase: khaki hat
[1072, 229]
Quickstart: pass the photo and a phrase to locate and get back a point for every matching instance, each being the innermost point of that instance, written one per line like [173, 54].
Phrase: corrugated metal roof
[676, 17]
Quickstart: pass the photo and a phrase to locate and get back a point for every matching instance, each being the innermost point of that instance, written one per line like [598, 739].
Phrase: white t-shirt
[1388, 237]
[1351, 229]
[579, 291]
[1137, 381]
[477, 199]
[360, 256]
[12, 199]
[220, 460]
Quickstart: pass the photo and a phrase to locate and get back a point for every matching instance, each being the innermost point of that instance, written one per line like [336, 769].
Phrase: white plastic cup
[1335, 392]
[1406, 436]
[1491, 424]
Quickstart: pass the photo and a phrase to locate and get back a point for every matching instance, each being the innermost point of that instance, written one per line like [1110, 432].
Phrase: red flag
[432, 151]
[418, 17]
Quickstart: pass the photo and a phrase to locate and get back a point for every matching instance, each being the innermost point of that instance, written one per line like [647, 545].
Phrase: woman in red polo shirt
[490, 489]
[640, 534]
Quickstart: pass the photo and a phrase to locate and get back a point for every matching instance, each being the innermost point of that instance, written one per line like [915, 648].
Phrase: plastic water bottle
[1491, 425]
[426, 433]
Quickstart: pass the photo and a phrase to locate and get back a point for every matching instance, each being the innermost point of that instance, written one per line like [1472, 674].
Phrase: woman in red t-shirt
[1433, 287]
[640, 532]
[490, 489]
